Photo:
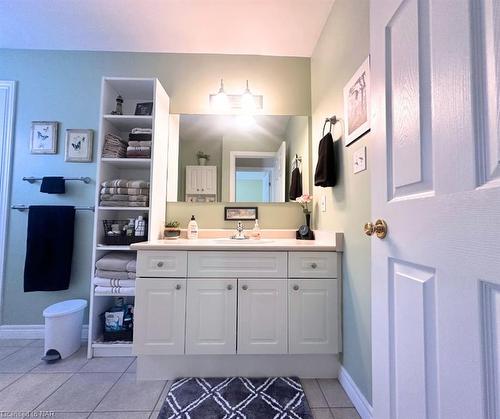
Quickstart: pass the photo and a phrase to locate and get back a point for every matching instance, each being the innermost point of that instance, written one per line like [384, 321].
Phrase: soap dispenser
[192, 231]
[256, 230]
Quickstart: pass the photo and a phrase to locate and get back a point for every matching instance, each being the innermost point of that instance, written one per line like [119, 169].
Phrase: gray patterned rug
[236, 397]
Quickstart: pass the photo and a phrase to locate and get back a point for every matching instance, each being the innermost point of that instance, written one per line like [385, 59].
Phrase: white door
[435, 71]
[211, 316]
[160, 307]
[262, 316]
[279, 174]
[313, 316]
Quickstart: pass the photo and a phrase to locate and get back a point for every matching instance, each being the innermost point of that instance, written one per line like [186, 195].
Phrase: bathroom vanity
[213, 307]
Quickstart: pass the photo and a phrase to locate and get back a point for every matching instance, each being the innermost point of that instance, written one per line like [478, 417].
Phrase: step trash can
[63, 329]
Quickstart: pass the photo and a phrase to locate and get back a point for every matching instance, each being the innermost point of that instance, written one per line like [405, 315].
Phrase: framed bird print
[78, 145]
[43, 137]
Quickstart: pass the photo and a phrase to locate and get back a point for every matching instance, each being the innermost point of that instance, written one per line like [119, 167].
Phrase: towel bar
[32, 179]
[26, 207]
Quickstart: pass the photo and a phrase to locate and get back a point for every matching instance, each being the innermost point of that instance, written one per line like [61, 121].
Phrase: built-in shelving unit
[154, 170]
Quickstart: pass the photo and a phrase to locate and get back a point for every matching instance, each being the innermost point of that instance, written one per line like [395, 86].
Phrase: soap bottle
[256, 230]
[192, 231]
[140, 226]
[130, 227]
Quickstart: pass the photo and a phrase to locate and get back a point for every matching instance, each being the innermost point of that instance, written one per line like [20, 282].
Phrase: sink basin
[248, 241]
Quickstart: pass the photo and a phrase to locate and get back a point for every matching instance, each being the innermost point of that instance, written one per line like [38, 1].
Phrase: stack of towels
[124, 193]
[139, 143]
[115, 273]
[114, 147]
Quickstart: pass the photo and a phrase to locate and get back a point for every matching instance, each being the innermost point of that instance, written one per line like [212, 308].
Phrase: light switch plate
[359, 160]
[323, 203]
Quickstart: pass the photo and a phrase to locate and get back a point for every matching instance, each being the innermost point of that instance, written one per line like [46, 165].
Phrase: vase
[202, 161]
[308, 220]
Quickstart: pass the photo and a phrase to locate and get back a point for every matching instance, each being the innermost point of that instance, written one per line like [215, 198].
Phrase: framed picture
[241, 213]
[43, 137]
[78, 145]
[145, 108]
[357, 104]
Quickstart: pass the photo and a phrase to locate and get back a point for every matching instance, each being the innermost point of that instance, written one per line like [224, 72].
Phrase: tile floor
[105, 388]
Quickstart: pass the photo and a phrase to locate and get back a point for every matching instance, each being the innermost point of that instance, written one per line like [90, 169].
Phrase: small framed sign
[144, 109]
[78, 145]
[241, 213]
[43, 137]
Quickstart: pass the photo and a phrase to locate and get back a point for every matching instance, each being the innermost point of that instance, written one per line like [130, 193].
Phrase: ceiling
[260, 27]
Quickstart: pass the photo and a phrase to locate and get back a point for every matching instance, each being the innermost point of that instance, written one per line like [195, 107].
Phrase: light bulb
[247, 100]
[221, 101]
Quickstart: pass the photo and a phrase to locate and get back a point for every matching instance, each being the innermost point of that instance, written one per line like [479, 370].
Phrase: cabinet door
[262, 316]
[159, 316]
[210, 180]
[211, 316]
[313, 316]
[191, 180]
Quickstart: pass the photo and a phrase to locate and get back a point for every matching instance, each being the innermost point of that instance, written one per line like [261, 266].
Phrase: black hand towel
[140, 137]
[49, 248]
[326, 172]
[296, 184]
[53, 184]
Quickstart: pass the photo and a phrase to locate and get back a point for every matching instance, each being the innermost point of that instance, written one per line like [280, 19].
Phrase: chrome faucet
[239, 235]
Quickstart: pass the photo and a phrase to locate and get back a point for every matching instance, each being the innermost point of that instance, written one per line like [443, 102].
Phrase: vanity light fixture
[246, 102]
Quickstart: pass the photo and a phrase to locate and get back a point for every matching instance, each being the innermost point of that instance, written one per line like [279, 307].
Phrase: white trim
[31, 331]
[6, 147]
[364, 408]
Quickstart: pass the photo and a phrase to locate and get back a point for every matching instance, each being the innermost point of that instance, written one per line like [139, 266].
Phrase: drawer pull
[160, 264]
[295, 287]
[178, 287]
[244, 287]
[229, 287]
[314, 265]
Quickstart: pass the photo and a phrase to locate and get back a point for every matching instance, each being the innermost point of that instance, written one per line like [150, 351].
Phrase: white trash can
[63, 329]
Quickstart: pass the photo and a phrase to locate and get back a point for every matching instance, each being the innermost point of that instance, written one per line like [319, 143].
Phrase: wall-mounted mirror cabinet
[234, 158]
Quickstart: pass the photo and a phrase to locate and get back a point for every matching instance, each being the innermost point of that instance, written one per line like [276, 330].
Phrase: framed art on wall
[43, 138]
[241, 213]
[357, 103]
[78, 145]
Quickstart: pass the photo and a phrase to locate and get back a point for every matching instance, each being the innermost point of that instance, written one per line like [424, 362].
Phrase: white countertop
[325, 242]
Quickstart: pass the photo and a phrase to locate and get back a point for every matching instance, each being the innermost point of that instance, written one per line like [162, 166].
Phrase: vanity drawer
[161, 264]
[237, 264]
[312, 265]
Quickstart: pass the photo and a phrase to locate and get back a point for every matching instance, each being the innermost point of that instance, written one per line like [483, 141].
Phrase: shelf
[115, 247]
[111, 294]
[128, 122]
[112, 349]
[143, 209]
[127, 163]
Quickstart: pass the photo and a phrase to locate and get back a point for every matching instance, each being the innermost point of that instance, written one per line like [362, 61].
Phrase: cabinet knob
[160, 264]
[229, 287]
[203, 190]
[178, 287]
[244, 287]
[295, 287]
[314, 265]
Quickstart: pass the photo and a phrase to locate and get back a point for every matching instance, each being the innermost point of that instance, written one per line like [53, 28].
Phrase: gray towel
[132, 266]
[115, 261]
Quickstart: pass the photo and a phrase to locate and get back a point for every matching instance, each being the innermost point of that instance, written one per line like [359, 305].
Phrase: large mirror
[241, 159]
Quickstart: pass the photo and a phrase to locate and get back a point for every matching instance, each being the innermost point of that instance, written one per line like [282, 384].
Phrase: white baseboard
[364, 408]
[31, 331]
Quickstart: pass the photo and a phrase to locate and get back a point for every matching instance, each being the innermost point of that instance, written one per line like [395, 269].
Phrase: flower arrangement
[304, 201]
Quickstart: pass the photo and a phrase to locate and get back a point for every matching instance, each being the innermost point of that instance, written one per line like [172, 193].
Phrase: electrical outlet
[323, 203]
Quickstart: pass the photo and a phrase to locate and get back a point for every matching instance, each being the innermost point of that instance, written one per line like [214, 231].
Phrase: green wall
[65, 87]
[343, 46]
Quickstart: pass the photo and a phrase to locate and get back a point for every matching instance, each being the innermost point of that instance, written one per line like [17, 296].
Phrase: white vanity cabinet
[262, 316]
[211, 316]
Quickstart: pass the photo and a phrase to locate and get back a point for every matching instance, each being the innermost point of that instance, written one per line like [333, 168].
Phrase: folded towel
[138, 154]
[138, 198]
[125, 191]
[138, 148]
[137, 184]
[115, 261]
[49, 248]
[131, 275]
[53, 185]
[142, 131]
[139, 137]
[115, 183]
[132, 265]
[114, 197]
[115, 290]
[111, 274]
[108, 282]
[123, 204]
[139, 143]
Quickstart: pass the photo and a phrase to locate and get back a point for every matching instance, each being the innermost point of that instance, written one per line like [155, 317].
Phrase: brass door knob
[379, 229]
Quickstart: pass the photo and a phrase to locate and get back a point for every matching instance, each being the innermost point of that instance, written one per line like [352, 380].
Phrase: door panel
[313, 316]
[159, 316]
[435, 147]
[262, 316]
[211, 316]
